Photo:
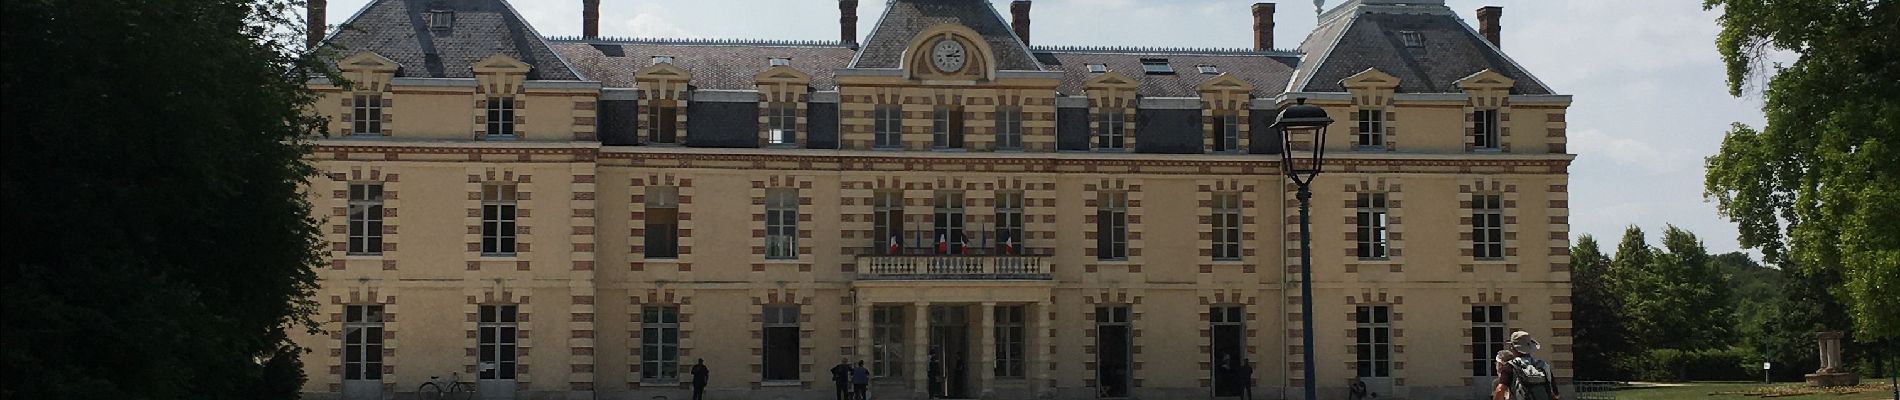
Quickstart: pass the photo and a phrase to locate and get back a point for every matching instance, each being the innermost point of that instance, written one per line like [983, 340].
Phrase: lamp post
[1303, 150]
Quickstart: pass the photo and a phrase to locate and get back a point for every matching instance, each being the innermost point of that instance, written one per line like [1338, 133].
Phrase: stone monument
[1831, 373]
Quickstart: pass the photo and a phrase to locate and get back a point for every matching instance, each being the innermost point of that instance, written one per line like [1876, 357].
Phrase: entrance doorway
[1112, 355]
[949, 351]
[1229, 351]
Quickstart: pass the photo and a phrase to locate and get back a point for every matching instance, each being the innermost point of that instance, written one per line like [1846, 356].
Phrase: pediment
[1224, 83]
[663, 71]
[501, 63]
[782, 74]
[1111, 79]
[1486, 79]
[979, 57]
[367, 61]
[1370, 78]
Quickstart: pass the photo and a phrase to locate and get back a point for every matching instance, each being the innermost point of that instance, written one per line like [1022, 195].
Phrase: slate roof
[1365, 34]
[726, 65]
[903, 19]
[399, 30]
[1267, 71]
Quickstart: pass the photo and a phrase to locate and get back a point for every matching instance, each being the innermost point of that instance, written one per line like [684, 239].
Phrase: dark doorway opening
[950, 350]
[1112, 351]
[1229, 351]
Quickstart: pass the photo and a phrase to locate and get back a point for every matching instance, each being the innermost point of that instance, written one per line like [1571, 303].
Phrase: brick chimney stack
[590, 18]
[1019, 19]
[1263, 26]
[1488, 24]
[317, 11]
[848, 22]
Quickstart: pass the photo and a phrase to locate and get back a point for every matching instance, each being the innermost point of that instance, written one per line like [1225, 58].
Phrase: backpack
[1531, 379]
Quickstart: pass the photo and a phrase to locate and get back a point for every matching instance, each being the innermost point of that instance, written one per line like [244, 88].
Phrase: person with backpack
[1522, 376]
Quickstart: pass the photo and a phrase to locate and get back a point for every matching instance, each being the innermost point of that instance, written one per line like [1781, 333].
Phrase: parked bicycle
[452, 388]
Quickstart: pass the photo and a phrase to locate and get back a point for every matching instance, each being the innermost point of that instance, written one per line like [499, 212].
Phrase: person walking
[1522, 376]
[841, 377]
[1246, 378]
[700, 374]
[861, 382]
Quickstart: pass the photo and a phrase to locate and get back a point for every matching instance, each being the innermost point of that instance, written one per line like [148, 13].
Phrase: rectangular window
[946, 129]
[781, 343]
[1153, 66]
[1098, 68]
[1487, 338]
[363, 342]
[501, 116]
[663, 122]
[887, 336]
[1009, 128]
[1485, 127]
[659, 343]
[890, 127]
[1371, 128]
[1111, 226]
[888, 222]
[1009, 223]
[1226, 132]
[366, 219]
[663, 222]
[1010, 340]
[781, 223]
[498, 219]
[1374, 341]
[1108, 134]
[948, 222]
[1487, 226]
[367, 114]
[1371, 226]
[497, 342]
[1227, 226]
[782, 120]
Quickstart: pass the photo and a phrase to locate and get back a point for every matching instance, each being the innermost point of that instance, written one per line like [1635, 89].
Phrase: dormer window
[777, 61]
[1208, 69]
[1098, 68]
[1155, 66]
[662, 59]
[1412, 39]
[441, 20]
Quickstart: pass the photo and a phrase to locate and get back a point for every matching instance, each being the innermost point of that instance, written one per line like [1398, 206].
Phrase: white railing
[953, 267]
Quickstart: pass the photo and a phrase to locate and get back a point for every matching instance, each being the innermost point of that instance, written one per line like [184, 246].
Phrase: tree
[1635, 285]
[1819, 185]
[157, 244]
[1600, 331]
[1693, 310]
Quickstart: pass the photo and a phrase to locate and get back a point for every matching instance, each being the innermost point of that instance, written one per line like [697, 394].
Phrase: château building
[970, 213]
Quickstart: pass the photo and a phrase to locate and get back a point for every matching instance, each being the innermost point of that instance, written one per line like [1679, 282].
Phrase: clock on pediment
[948, 55]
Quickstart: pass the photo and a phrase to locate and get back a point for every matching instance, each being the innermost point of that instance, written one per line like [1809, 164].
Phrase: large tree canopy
[1819, 186]
[157, 245]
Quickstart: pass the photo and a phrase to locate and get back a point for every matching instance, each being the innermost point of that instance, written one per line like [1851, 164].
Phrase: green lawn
[1749, 391]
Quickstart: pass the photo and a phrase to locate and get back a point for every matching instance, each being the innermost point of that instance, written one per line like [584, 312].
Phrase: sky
[1649, 98]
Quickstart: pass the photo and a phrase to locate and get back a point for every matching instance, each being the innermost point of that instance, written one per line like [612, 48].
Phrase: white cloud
[650, 25]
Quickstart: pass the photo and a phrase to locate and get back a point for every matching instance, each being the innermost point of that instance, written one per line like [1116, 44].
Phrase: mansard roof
[714, 64]
[903, 19]
[1267, 71]
[1440, 49]
[400, 31]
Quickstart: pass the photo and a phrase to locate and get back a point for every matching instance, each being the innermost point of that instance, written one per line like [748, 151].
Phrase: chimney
[590, 18]
[317, 10]
[848, 22]
[1019, 19]
[1488, 24]
[1263, 26]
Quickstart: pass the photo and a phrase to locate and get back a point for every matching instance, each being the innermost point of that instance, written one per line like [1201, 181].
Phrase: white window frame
[1371, 129]
[781, 223]
[947, 220]
[363, 342]
[1009, 128]
[1485, 126]
[500, 208]
[662, 201]
[1373, 339]
[501, 117]
[659, 343]
[366, 114]
[1111, 128]
[888, 131]
[498, 341]
[1489, 325]
[1372, 230]
[1112, 225]
[1227, 132]
[663, 122]
[1010, 221]
[782, 125]
[946, 128]
[1011, 341]
[366, 219]
[1487, 226]
[888, 220]
[1226, 226]
[887, 333]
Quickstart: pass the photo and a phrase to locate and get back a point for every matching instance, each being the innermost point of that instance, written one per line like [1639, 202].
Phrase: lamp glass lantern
[1302, 140]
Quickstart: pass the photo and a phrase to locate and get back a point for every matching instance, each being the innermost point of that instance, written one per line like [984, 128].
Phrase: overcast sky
[1649, 97]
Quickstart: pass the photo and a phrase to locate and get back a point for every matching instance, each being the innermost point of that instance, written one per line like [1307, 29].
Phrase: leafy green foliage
[1819, 186]
[1629, 307]
[156, 242]
[1600, 328]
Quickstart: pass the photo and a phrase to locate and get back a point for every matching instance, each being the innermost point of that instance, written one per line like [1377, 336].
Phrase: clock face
[948, 56]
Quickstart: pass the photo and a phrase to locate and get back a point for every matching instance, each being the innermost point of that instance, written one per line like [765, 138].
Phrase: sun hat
[1522, 342]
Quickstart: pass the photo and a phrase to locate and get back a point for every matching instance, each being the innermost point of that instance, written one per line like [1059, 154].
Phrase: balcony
[953, 267]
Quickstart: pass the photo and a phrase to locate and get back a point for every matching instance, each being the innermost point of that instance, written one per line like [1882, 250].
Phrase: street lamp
[1302, 152]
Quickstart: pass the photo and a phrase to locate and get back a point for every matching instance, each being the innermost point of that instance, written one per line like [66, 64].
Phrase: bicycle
[437, 388]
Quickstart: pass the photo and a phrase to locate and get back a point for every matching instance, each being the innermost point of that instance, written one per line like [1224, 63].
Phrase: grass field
[1752, 391]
